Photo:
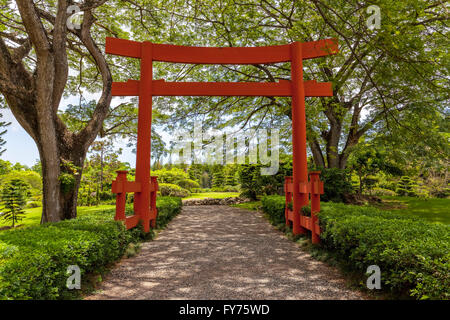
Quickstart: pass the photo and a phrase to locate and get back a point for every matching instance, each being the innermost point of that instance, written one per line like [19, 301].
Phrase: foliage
[34, 260]
[173, 190]
[37, 269]
[218, 179]
[368, 160]
[337, 183]
[274, 206]
[406, 187]
[383, 192]
[188, 184]
[172, 175]
[248, 178]
[254, 184]
[413, 254]
[13, 198]
[3, 125]
[168, 208]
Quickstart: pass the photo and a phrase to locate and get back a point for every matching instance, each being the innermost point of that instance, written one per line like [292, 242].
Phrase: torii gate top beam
[226, 55]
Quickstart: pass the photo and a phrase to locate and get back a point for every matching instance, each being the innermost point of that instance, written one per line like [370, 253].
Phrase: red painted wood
[299, 170]
[142, 199]
[123, 47]
[125, 186]
[132, 221]
[121, 197]
[268, 89]
[315, 205]
[226, 55]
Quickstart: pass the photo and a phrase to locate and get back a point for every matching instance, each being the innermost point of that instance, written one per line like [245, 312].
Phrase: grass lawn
[214, 195]
[433, 210]
[252, 205]
[33, 216]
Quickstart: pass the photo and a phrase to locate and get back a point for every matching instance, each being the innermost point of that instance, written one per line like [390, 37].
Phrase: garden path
[221, 252]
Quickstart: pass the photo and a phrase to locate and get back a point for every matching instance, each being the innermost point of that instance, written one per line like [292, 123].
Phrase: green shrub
[34, 204]
[380, 192]
[229, 188]
[413, 254]
[274, 207]
[168, 207]
[170, 175]
[34, 260]
[106, 195]
[37, 269]
[188, 184]
[337, 183]
[172, 190]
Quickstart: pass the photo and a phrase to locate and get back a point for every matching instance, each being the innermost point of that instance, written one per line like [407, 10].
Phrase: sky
[20, 147]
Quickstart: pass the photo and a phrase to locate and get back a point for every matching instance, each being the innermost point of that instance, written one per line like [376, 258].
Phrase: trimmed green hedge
[413, 254]
[274, 207]
[168, 208]
[34, 260]
[172, 190]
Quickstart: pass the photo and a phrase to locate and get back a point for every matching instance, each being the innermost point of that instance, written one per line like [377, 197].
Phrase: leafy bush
[173, 190]
[170, 175]
[168, 207]
[231, 188]
[380, 192]
[413, 254]
[34, 204]
[337, 183]
[254, 184]
[188, 184]
[37, 267]
[34, 260]
[274, 207]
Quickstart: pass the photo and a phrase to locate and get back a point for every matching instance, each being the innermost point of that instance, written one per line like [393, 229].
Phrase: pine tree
[218, 179]
[406, 187]
[13, 198]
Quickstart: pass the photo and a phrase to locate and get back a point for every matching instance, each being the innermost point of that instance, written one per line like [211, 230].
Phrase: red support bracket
[312, 189]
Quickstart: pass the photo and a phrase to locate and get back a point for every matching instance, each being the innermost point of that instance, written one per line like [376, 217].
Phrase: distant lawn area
[432, 209]
[214, 195]
[33, 216]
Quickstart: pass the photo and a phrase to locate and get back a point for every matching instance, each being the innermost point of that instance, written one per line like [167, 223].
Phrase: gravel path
[220, 252]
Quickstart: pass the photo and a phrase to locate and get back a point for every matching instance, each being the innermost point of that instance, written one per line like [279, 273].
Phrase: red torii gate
[297, 187]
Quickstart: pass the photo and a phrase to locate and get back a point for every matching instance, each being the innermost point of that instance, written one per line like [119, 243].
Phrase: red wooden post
[299, 165]
[153, 210]
[316, 190]
[142, 199]
[288, 193]
[121, 196]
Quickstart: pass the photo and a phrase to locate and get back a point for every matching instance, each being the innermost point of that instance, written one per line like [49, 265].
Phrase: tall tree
[381, 77]
[36, 51]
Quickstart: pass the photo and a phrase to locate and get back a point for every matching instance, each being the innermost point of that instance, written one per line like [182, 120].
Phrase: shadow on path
[220, 252]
